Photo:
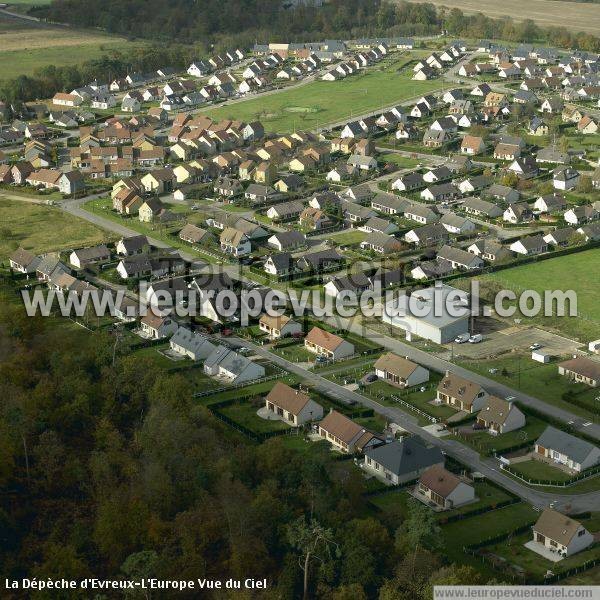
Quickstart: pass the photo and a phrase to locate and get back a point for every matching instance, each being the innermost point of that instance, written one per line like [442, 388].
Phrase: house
[500, 416]
[287, 240]
[457, 224]
[345, 435]
[327, 344]
[481, 208]
[566, 449]
[524, 167]
[474, 184]
[278, 326]
[565, 178]
[314, 218]
[560, 237]
[581, 370]
[590, 232]
[579, 215]
[363, 163]
[321, 260]
[408, 182]
[472, 145]
[440, 192]
[460, 393]
[550, 203]
[279, 264]
[232, 367]
[427, 235]
[149, 209]
[490, 250]
[289, 183]
[196, 235]
[556, 532]
[87, 256]
[62, 99]
[23, 261]
[353, 285]
[381, 243]
[533, 244]
[235, 242]
[285, 211]
[519, 212]
[70, 183]
[157, 327]
[503, 192]
[400, 371]
[504, 151]
[292, 406]
[191, 344]
[587, 125]
[379, 225]
[552, 105]
[401, 461]
[260, 193]
[459, 259]
[443, 489]
[129, 246]
[537, 126]
[389, 204]
[432, 269]
[551, 154]
[417, 316]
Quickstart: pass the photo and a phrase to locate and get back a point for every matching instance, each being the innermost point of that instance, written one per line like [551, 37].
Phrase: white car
[462, 338]
[475, 339]
[535, 346]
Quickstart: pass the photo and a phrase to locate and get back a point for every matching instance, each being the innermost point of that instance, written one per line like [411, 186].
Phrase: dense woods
[115, 471]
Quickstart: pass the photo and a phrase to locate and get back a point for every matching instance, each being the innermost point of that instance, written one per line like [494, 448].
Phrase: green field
[42, 228]
[319, 103]
[571, 272]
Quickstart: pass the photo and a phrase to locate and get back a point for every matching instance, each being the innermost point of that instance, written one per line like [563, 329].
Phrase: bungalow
[422, 214]
[350, 284]
[389, 204]
[408, 182]
[529, 246]
[472, 145]
[292, 406]
[524, 167]
[381, 243]
[87, 256]
[314, 219]
[441, 192]
[260, 193]
[504, 151]
[581, 214]
[287, 240]
[565, 178]
[560, 237]
[186, 342]
[278, 326]
[399, 371]
[587, 125]
[590, 232]
[428, 235]
[442, 489]
[556, 532]
[551, 154]
[227, 365]
[327, 344]
[459, 259]
[474, 184]
[379, 225]
[279, 264]
[345, 435]
[550, 203]
[519, 212]
[481, 208]
[363, 163]
[285, 211]
[196, 235]
[401, 461]
[23, 261]
[129, 246]
[566, 449]
[490, 250]
[500, 416]
[503, 192]
[581, 370]
[460, 393]
[456, 224]
[321, 260]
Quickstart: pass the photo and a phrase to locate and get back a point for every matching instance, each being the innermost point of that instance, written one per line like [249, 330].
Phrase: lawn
[347, 238]
[570, 272]
[538, 470]
[35, 228]
[487, 444]
[244, 413]
[318, 103]
[542, 381]
[402, 162]
[296, 353]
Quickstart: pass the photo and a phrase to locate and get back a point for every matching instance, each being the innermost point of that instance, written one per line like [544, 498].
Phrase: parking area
[499, 339]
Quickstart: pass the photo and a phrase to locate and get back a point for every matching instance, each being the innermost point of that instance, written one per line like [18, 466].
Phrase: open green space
[536, 469]
[42, 228]
[318, 103]
[244, 413]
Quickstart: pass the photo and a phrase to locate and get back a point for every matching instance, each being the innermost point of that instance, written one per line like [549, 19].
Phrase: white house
[292, 406]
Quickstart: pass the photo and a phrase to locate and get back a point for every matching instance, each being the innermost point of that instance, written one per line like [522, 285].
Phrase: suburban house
[235, 242]
[443, 489]
[401, 461]
[23, 261]
[232, 367]
[459, 258]
[530, 245]
[292, 406]
[278, 326]
[500, 416]
[490, 250]
[566, 449]
[399, 371]
[561, 534]
[352, 284]
[327, 344]
[87, 256]
[345, 435]
[581, 370]
[460, 393]
[136, 244]
[156, 327]
[189, 343]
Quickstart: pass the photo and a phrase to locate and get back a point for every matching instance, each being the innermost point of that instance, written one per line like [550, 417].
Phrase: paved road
[487, 466]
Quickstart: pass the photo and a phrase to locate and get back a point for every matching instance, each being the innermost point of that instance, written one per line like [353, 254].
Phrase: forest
[111, 469]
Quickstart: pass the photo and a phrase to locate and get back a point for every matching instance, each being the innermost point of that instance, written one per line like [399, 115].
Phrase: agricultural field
[575, 16]
[25, 48]
[35, 228]
[319, 103]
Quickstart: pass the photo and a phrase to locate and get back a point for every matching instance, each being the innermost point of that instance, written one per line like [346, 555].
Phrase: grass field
[25, 48]
[548, 13]
[320, 103]
[40, 228]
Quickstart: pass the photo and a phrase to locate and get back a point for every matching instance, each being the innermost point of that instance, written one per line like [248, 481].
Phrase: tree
[314, 542]
[585, 185]
[139, 566]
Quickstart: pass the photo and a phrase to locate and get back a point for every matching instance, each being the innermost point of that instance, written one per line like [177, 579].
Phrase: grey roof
[192, 341]
[565, 443]
[406, 456]
[352, 282]
[390, 201]
[290, 238]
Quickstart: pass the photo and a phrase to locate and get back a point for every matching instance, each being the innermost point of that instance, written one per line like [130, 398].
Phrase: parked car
[475, 339]
[535, 346]
[462, 338]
